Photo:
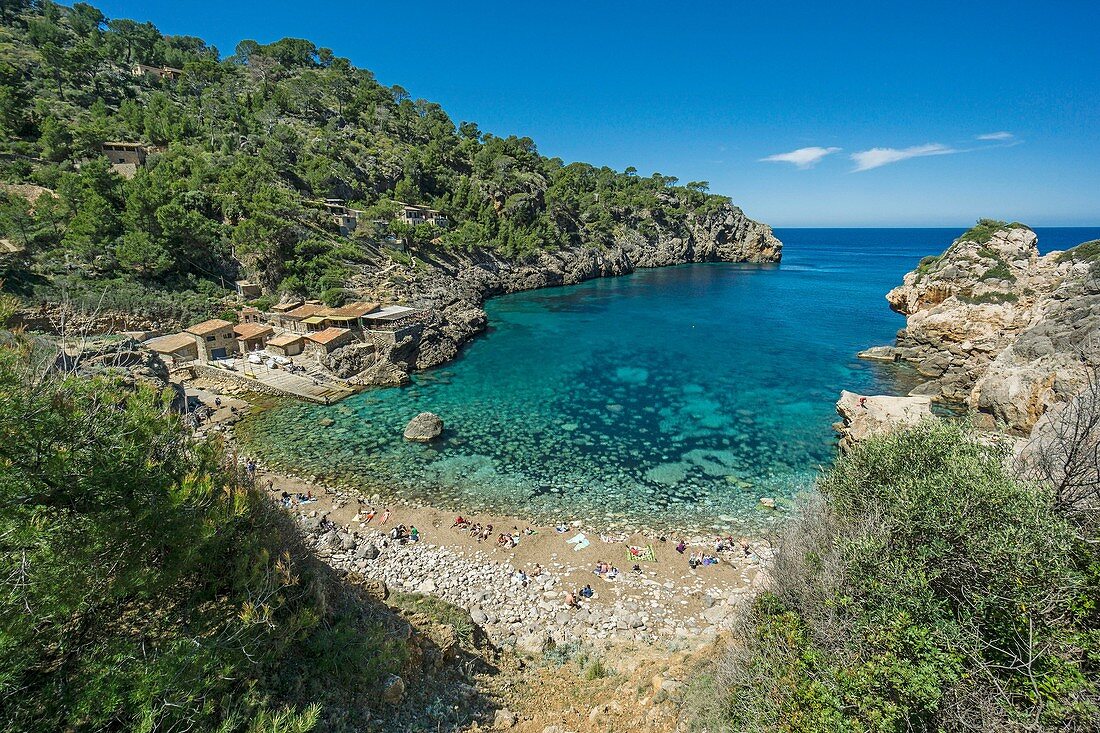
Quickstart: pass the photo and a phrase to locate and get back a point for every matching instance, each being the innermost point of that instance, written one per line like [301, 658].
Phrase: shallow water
[670, 397]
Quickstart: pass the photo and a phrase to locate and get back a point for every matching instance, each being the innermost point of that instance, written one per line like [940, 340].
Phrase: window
[210, 339]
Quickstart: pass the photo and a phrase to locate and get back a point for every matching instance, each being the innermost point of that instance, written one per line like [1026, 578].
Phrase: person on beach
[385, 516]
[612, 573]
[571, 600]
[681, 546]
[745, 546]
[537, 571]
[459, 522]
[587, 591]
[414, 534]
[370, 515]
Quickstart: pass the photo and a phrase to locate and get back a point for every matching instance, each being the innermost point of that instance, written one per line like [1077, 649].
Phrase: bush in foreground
[146, 586]
[926, 590]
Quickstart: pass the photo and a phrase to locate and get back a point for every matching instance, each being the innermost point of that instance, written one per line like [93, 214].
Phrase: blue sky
[707, 91]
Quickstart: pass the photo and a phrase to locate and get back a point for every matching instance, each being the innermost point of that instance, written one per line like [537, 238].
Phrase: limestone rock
[867, 416]
[424, 428]
[393, 689]
[504, 719]
[996, 327]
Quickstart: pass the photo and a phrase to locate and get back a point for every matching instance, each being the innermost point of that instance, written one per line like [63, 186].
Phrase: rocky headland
[998, 329]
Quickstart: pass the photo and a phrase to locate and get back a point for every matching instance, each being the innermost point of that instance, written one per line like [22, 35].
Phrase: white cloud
[876, 157]
[1002, 135]
[803, 157]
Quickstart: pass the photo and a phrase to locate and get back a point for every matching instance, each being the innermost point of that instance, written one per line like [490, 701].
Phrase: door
[217, 353]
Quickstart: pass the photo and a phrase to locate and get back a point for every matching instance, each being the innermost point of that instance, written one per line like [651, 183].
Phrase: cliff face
[454, 285]
[998, 328]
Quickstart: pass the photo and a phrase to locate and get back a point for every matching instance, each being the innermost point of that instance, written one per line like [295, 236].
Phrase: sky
[858, 114]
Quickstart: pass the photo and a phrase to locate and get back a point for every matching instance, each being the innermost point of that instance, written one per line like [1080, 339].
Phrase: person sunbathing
[459, 522]
[385, 516]
[476, 530]
[371, 514]
[485, 533]
[612, 573]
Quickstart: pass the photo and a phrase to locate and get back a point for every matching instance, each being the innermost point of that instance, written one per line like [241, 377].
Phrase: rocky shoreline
[998, 329]
[667, 600]
[452, 286]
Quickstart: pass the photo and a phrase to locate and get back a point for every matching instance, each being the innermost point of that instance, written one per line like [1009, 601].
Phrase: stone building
[215, 338]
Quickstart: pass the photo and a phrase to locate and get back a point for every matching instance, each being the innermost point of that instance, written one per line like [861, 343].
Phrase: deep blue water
[675, 396]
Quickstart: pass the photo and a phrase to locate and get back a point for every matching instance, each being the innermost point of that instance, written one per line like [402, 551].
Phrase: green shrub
[999, 271]
[992, 297]
[1084, 252]
[156, 589]
[984, 230]
[928, 589]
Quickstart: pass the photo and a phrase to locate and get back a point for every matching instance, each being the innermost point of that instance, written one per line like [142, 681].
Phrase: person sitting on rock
[745, 546]
[587, 591]
[636, 569]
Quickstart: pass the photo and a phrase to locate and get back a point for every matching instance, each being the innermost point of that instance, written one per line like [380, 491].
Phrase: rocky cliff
[998, 328]
[452, 286]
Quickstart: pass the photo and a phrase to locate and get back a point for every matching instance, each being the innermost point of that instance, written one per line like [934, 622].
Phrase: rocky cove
[452, 286]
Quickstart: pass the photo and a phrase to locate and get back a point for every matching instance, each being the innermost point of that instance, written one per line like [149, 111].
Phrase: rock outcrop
[865, 416]
[998, 328]
[454, 286]
[424, 428]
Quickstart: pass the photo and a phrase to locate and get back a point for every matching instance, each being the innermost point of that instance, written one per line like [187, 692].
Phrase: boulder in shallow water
[865, 416]
[425, 427]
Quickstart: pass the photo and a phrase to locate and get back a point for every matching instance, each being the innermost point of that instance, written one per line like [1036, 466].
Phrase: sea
[669, 398]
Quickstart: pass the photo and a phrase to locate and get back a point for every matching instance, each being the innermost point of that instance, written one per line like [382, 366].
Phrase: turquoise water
[670, 397]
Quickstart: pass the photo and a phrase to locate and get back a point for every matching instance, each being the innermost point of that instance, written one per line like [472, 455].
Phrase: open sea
[673, 397]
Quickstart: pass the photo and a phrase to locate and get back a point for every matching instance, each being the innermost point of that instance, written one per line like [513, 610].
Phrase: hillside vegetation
[148, 586]
[247, 145]
[929, 589]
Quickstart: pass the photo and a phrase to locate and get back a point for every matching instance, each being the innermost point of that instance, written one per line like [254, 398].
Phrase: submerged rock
[425, 427]
[865, 416]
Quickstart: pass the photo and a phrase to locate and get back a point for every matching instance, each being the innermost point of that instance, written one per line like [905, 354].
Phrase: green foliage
[930, 590]
[999, 271]
[926, 264]
[151, 588]
[993, 297]
[984, 230]
[437, 610]
[1084, 252]
[247, 145]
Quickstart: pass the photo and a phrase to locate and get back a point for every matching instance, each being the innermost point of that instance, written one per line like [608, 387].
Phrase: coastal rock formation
[424, 428]
[455, 285]
[865, 416]
[998, 328]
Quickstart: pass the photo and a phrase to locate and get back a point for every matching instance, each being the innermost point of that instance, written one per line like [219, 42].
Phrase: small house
[175, 348]
[303, 319]
[328, 340]
[125, 157]
[252, 336]
[248, 289]
[250, 314]
[215, 338]
[349, 315]
[286, 344]
[159, 72]
[287, 306]
[412, 215]
[390, 318]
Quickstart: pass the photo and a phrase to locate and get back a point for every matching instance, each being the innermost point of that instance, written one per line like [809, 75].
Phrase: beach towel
[579, 542]
[634, 552]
